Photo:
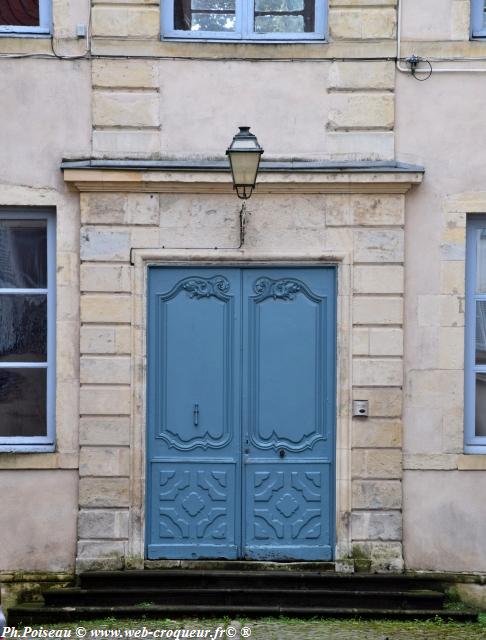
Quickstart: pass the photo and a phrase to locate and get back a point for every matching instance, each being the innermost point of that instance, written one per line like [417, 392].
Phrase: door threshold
[239, 565]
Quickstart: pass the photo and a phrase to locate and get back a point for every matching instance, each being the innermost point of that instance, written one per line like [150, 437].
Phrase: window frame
[47, 442]
[243, 33]
[472, 442]
[44, 28]
[478, 26]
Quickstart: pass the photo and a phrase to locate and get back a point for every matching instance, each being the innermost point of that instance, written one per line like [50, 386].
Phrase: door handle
[195, 415]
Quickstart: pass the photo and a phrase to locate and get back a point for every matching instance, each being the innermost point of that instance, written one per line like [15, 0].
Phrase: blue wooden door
[241, 369]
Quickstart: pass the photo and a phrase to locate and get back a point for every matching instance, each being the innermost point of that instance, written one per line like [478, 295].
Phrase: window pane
[23, 328]
[23, 402]
[480, 332]
[284, 16]
[23, 254]
[204, 15]
[481, 261]
[22, 13]
[481, 404]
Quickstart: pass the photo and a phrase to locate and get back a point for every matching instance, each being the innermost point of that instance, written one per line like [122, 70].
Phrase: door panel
[240, 413]
[194, 450]
[288, 327]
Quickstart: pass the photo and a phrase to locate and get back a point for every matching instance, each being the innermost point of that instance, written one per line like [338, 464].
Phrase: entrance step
[203, 593]
[238, 565]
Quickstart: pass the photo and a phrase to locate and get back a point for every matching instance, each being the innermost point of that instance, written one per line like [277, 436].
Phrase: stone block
[378, 246]
[123, 143]
[369, 23]
[386, 342]
[374, 310]
[376, 525]
[105, 244]
[451, 311]
[451, 347]
[361, 145]
[371, 432]
[378, 210]
[101, 523]
[105, 278]
[101, 549]
[435, 389]
[104, 492]
[99, 430]
[378, 279]
[361, 111]
[145, 237]
[104, 400]
[375, 372]
[104, 461]
[120, 209]
[383, 403]
[117, 21]
[125, 109]
[361, 75]
[377, 494]
[377, 463]
[106, 308]
[381, 557]
[361, 342]
[105, 370]
[103, 339]
[126, 74]
[452, 278]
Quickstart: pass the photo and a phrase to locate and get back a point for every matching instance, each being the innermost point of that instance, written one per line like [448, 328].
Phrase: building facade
[179, 385]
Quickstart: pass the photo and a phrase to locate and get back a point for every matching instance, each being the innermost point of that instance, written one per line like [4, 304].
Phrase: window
[27, 330]
[25, 16]
[244, 19]
[478, 18]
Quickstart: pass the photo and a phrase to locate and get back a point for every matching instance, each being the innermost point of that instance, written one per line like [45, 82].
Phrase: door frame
[144, 258]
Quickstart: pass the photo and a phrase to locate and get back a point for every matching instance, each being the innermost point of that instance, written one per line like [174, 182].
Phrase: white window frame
[47, 442]
[478, 27]
[244, 26]
[472, 442]
[44, 28]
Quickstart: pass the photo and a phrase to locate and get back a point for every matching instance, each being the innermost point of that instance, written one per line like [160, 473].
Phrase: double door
[241, 388]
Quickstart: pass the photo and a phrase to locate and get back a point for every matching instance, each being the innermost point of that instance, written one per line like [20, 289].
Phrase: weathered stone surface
[362, 23]
[371, 432]
[105, 370]
[118, 21]
[378, 557]
[120, 209]
[374, 372]
[101, 549]
[452, 277]
[104, 524]
[376, 525]
[377, 463]
[125, 109]
[361, 145]
[375, 310]
[106, 308]
[383, 403]
[105, 244]
[378, 279]
[104, 492]
[451, 347]
[97, 430]
[104, 461]
[378, 246]
[377, 494]
[105, 278]
[361, 111]
[104, 400]
[131, 74]
[103, 339]
[361, 341]
[123, 143]
[386, 342]
[361, 75]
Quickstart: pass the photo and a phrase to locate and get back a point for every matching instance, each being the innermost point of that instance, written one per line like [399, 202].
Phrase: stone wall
[363, 234]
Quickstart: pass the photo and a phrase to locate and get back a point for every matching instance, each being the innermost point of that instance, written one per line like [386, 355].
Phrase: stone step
[249, 595]
[35, 615]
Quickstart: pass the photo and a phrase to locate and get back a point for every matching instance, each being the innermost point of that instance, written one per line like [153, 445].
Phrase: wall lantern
[244, 155]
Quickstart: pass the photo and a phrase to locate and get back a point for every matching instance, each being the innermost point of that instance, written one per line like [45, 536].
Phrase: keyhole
[281, 453]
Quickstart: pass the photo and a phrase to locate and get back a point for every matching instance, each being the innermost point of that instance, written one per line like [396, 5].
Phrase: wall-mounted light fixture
[244, 155]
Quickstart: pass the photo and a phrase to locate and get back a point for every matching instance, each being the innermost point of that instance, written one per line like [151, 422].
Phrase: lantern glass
[244, 155]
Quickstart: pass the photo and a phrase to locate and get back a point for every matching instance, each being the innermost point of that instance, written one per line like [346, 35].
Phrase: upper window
[27, 330]
[25, 16]
[478, 18]
[475, 365]
[244, 19]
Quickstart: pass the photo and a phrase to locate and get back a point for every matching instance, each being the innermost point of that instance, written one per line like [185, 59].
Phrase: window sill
[17, 460]
[472, 462]
[25, 44]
